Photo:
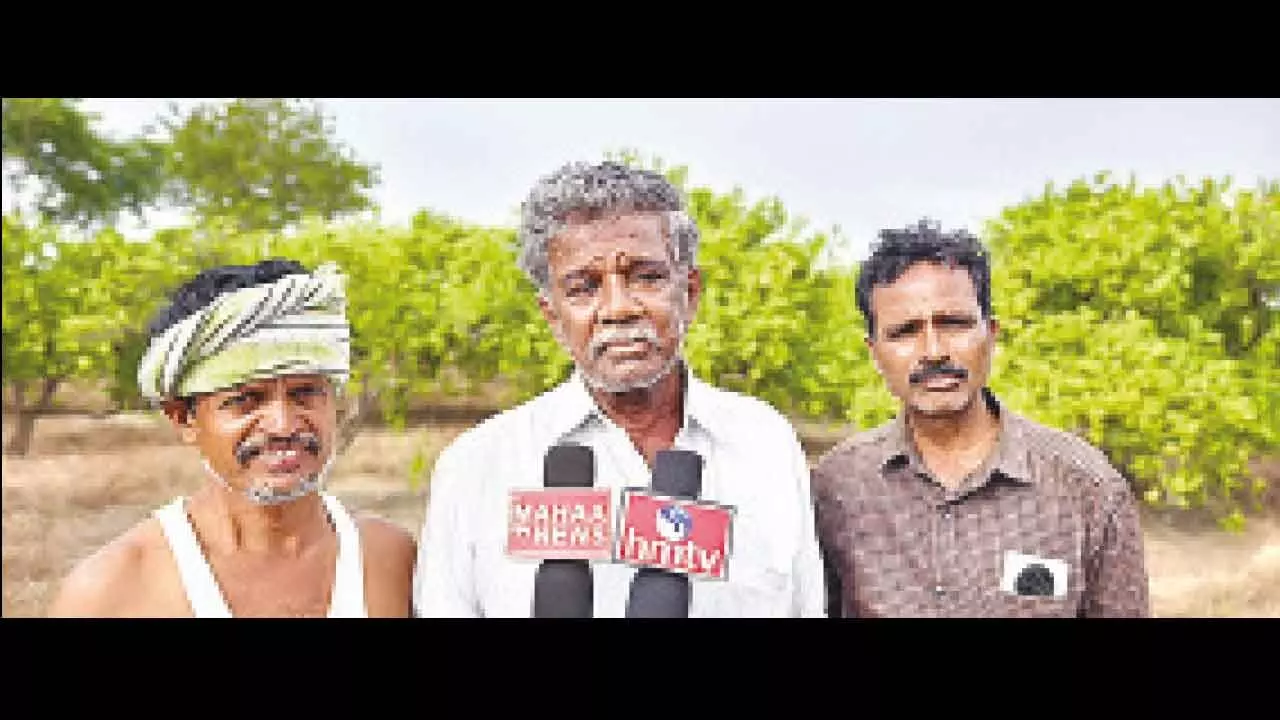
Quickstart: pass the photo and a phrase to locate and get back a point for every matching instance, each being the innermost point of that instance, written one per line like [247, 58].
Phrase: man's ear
[694, 290]
[871, 350]
[548, 312]
[552, 317]
[180, 414]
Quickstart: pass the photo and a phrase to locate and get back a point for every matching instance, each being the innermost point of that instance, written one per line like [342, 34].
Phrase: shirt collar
[570, 405]
[1010, 459]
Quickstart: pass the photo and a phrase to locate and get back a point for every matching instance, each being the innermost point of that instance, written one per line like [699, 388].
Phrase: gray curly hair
[594, 190]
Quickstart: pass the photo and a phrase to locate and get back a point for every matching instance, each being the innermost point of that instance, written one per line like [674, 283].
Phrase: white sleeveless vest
[347, 598]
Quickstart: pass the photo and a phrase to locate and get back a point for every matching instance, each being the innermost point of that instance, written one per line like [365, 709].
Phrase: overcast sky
[861, 164]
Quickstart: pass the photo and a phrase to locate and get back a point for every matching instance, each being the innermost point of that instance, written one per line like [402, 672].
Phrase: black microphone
[659, 593]
[563, 588]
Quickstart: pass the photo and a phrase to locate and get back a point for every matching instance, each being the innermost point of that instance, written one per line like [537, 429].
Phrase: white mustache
[636, 333]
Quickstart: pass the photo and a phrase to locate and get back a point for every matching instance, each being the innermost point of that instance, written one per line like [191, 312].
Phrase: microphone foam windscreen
[658, 594]
[563, 589]
[677, 473]
[569, 466]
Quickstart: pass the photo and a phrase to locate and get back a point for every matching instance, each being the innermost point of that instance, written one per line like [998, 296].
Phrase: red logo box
[677, 534]
[561, 524]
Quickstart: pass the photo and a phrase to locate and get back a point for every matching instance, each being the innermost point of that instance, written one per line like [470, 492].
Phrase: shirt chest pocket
[1032, 606]
[1038, 580]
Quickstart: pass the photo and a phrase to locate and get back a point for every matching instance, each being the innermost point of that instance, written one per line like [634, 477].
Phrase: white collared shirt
[753, 462]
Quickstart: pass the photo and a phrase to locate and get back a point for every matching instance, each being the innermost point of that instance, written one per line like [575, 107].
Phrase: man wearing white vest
[247, 362]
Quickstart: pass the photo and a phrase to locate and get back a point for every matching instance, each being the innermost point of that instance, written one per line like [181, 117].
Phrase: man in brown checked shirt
[961, 507]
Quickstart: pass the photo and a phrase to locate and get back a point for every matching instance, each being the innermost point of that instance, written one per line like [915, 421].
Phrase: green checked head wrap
[295, 325]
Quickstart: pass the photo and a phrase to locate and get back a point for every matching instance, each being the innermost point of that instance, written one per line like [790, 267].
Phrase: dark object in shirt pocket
[1035, 580]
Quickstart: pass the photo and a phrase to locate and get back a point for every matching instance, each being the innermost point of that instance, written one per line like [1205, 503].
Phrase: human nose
[280, 416]
[934, 350]
[617, 304]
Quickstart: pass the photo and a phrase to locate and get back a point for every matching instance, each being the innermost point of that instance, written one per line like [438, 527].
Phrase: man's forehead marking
[620, 256]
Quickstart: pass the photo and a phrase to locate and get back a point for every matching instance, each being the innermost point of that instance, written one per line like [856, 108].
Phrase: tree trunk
[23, 421]
[25, 417]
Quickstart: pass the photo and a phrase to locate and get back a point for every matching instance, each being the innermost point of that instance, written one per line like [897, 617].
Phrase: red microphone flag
[675, 534]
[560, 524]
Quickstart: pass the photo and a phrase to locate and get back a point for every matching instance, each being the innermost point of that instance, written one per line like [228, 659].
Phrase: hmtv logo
[676, 534]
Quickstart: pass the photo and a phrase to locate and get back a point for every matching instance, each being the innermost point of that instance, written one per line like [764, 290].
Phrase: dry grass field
[87, 480]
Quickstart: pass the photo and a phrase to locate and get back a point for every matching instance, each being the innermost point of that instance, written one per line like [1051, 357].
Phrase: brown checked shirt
[1046, 528]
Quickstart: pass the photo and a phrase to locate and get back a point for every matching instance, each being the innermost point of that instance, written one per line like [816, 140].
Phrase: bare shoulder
[390, 554]
[385, 540]
[107, 583]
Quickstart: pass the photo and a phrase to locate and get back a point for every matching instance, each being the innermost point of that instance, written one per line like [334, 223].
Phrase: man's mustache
[932, 371]
[623, 334]
[253, 447]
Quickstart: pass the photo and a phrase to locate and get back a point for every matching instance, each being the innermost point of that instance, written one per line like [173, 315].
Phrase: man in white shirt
[613, 254]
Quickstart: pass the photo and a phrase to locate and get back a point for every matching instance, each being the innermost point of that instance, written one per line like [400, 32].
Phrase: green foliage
[1138, 317]
[1181, 255]
[768, 321]
[265, 164]
[83, 178]
[74, 308]
[252, 164]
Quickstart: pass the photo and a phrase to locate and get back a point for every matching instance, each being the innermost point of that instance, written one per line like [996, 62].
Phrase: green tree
[1141, 318]
[1138, 317]
[82, 177]
[69, 304]
[264, 164]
